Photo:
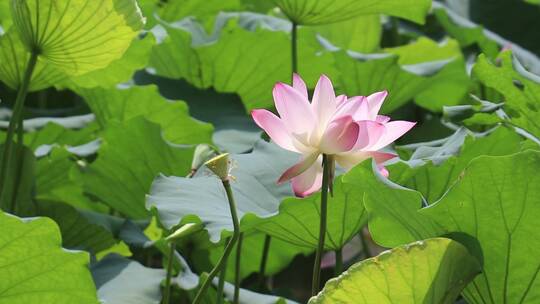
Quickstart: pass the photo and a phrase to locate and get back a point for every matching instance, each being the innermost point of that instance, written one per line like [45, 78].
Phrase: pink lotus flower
[349, 129]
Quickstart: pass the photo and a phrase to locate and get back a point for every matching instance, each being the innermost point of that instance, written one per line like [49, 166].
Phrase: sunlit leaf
[328, 11]
[34, 267]
[490, 209]
[430, 271]
[73, 34]
[13, 60]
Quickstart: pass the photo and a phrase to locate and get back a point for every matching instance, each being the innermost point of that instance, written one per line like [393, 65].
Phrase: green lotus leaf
[35, 269]
[521, 91]
[126, 102]
[430, 271]
[77, 36]
[124, 170]
[328, 11]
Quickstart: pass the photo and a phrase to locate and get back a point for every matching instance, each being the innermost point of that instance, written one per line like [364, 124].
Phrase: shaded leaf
[131, 155]
[123, 281]
[298, 219]
[254, 188]
[77, 231]
[125, 103]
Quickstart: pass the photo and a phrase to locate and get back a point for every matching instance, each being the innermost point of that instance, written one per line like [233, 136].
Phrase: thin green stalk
[228, 248]
[339, 262]
[16, 123]
[221, 283]
[264, 259]
[365, 245]
[237, 269]
[294, 47]
[322, 227]
[167, 295]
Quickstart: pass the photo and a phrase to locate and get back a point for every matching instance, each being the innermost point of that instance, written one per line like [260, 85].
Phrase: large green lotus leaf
[493, 209]
[35, 269]
[119, 71]
[298, 219]
[13, 60]
[234, 58]
[123, 281]
[521, 93]
[126, 102]
[77, 231]
[280, 255]
[434, 178]
[329, 11]
[73, 34]
[363, 74]
[430, 271]
[254, 187]
[360, 34]
[131, 155]
[393, 211]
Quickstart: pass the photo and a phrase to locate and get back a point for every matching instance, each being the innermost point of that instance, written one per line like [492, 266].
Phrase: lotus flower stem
[322, 227]
[167, 295]
[221, 282]
[237, 269]
[294, 47]
[16, 123]
[264, 259]
[228, 248]
[339, 262]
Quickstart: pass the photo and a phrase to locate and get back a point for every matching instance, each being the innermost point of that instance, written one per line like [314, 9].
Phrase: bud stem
[228, 248]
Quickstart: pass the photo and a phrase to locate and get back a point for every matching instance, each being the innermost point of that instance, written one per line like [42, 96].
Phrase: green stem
[167, 295]
[221, 283]
[237, 269]
[339, 262]
[228, 248]
[322, 227]
[294, 47]
[16, 123]
[365, 245]
[264, 259]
